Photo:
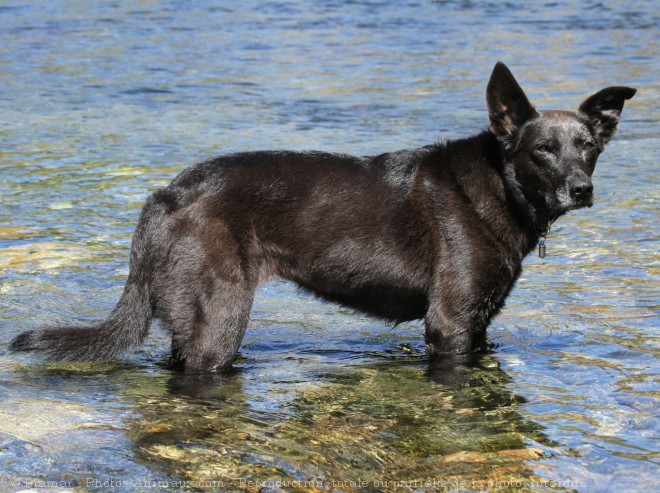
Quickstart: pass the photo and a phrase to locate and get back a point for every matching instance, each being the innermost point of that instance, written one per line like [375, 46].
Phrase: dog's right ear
[508, 107]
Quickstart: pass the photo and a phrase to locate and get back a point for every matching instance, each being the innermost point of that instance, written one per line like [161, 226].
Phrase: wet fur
[437, 233]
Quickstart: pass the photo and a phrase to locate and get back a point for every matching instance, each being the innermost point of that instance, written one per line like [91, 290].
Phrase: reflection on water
[104, 102]
[400, 419]
[388, 420]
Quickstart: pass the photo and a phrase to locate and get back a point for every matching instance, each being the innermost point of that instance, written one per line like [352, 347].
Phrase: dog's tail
[126, 326]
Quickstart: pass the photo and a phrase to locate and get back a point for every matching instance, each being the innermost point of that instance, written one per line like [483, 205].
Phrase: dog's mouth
[588, 203]
[581, 203]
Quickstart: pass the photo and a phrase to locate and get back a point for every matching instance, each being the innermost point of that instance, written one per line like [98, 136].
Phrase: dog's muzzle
[581, 192]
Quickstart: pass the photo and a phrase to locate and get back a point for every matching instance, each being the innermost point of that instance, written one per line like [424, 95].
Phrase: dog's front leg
[453, 329]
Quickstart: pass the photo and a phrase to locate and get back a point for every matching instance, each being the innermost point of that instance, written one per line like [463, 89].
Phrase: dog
[436, 233]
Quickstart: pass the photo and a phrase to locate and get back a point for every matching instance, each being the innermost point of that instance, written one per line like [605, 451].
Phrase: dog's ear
[508, 107]
[603, 110]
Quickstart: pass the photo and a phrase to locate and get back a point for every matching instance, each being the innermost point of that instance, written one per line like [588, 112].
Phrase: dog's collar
[543, 231]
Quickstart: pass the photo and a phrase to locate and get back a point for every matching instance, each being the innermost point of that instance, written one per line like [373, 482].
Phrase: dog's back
[344, 227]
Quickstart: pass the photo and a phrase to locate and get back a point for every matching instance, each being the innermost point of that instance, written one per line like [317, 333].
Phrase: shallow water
[102, 103]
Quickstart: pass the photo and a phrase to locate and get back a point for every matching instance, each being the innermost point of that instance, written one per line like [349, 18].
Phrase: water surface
[102, 103]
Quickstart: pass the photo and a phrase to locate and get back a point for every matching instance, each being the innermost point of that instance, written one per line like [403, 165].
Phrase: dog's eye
[543, 148]
[589, 146]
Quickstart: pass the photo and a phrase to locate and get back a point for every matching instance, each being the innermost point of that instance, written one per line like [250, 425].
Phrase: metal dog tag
[542, 247]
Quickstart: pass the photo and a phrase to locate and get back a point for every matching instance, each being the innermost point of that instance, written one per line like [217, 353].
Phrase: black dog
[437, 233]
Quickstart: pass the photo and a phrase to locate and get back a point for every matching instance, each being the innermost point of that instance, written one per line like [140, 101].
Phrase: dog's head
[550, 155]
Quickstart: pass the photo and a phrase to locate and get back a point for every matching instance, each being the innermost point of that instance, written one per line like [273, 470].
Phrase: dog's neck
[500, 206]
[533, 217]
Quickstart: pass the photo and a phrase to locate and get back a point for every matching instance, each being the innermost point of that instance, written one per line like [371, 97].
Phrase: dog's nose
[581, 189]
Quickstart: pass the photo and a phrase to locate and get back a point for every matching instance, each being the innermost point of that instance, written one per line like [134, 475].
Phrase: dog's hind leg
[207, 328]
[205, 295]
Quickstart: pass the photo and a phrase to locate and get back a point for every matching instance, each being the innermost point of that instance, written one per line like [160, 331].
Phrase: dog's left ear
[603, 110]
